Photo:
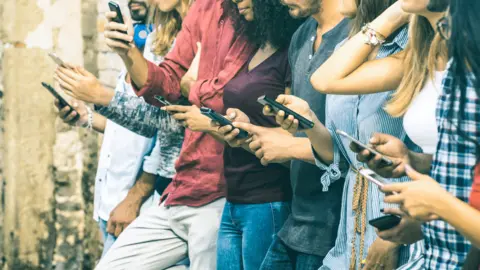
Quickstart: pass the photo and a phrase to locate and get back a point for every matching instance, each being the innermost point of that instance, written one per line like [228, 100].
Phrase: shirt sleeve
[136, 115]
[164, 79]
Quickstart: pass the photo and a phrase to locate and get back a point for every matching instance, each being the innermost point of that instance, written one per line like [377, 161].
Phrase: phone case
[61, 100]
[222, 120]
[386, 222]
[303, 123]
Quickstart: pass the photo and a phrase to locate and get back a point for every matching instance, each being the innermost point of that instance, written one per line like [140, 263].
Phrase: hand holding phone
[222, 121]
[385, 161]
[303, 123]
[61, 101]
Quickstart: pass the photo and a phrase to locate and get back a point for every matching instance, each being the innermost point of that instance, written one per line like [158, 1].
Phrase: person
[359, 115]
[426, 198]
[139, 12]
[122, 189]
[189, 217]
[438, 235]
[258, 197]
[308, 234]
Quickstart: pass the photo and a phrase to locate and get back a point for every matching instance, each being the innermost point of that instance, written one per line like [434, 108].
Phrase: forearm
[143, 188]
[461, 216]
[137, 67]
[99, 122]
[420, 162]
[321, 140]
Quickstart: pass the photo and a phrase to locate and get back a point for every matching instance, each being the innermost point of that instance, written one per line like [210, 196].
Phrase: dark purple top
[248, 181]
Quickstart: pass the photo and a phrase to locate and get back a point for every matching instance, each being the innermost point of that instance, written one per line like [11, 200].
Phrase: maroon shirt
[199, 179]
[248, 181]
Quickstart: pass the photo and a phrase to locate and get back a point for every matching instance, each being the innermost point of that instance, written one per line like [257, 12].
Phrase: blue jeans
[246, 232]
[108, 239]
[281, 257]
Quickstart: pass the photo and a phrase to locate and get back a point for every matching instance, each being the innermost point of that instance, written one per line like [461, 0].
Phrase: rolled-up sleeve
[334, 171]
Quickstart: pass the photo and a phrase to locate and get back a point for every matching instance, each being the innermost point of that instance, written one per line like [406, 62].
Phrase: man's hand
[120, 217]
[192, 74]
[119, 42]
[382, 255]
[83, 85]
[420, 199]
[407, 232]
[295, 104]
[392, 148]
[270, 145]
[69, 116]
[190, 117]
[228, 132]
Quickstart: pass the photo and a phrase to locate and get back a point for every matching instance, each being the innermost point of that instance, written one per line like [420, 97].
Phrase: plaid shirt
[452, 167]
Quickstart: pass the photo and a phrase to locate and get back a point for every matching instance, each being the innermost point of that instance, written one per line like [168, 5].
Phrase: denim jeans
[246, 232]
[108, 239]
[281, 257]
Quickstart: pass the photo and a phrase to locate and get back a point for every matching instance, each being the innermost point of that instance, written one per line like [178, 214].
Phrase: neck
[328, 16]
[433, 18]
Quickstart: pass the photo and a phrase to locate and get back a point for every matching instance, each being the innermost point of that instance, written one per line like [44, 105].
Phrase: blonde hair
[424, 48]
[167, 26]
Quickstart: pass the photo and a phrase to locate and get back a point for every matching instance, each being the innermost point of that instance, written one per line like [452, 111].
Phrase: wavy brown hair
[167, 26]
[424, 49]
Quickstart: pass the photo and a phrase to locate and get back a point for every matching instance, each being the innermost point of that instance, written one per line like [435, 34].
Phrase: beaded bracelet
[372, 37]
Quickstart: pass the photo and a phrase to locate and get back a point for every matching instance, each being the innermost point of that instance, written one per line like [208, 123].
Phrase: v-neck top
[248, 181]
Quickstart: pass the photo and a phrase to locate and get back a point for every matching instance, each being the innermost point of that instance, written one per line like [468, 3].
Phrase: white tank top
[419, 121]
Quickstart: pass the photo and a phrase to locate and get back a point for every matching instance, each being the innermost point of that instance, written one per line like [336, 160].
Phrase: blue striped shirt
[361, 116]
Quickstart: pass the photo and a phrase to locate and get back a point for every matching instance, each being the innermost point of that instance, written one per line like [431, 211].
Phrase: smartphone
[56, 59]
[303, 123]
[386, 222]
[373, 177]
[61, 100]
[438, 5]
[385, 161]
[116, 8]
[162, 100]
[222, 121]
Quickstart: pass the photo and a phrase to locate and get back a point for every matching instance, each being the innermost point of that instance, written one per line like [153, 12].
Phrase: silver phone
[373, 177]
[57, 59]
[385, 160]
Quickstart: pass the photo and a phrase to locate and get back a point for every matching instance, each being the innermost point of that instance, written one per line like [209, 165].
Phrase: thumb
[232, 113]
[282, 99]
[412, 174]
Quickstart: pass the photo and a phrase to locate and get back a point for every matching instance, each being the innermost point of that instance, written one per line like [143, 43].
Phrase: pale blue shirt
[361, 116]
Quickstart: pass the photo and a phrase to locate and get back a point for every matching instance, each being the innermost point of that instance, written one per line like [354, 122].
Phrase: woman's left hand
[190, 117]
[382, 255]
[82, 85]
[420, 198]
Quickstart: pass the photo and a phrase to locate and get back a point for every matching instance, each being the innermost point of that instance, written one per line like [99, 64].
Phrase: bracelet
[372, 37]
[89, 124]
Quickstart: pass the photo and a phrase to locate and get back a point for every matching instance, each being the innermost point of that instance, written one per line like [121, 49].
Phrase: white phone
[373, 177]
[385, 160]
[57, 59]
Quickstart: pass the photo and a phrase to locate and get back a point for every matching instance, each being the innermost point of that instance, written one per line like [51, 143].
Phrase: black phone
[303, 123]
[222, 121]
[386, 222]
[63, 103]
[359, 144]
[116, 8]
[438, 5]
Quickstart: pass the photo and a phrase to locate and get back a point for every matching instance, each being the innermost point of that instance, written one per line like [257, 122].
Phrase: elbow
[320, 84]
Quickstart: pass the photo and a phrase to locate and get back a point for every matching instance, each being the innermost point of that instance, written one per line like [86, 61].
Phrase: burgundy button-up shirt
[199, 179]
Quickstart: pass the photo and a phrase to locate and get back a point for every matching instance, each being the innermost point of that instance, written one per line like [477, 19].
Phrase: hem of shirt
[186, 202]
[257, 199]
[303, 250]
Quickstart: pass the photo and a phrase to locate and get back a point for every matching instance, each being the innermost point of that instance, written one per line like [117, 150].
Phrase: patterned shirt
[453, 166]
[361, 116]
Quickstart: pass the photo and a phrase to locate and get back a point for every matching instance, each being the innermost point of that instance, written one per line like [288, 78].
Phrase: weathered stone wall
[47, 168]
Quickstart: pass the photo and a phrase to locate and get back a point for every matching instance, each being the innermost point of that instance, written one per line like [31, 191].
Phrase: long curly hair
[272, 24]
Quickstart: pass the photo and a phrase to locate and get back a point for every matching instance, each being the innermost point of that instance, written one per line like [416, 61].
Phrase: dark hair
[273, 24]
[464, 50]
[367, 11]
